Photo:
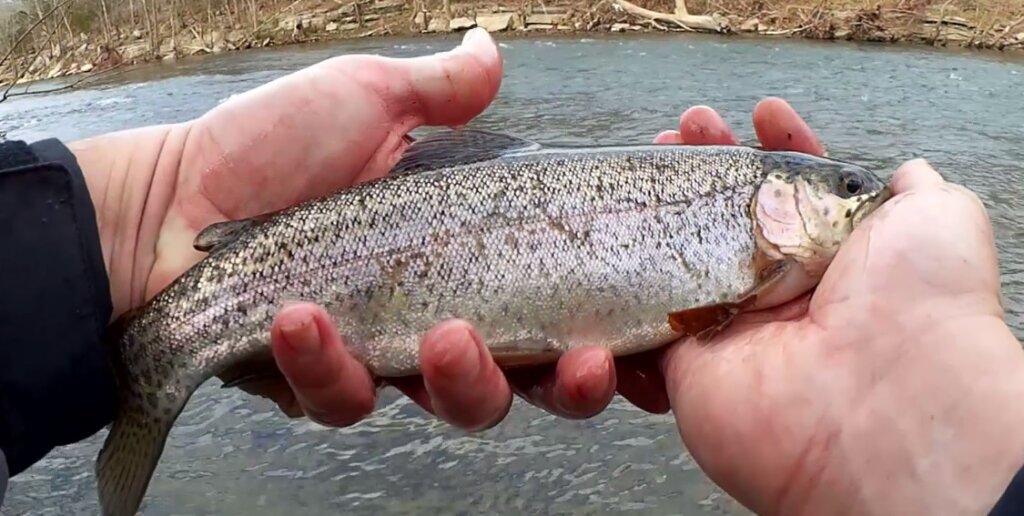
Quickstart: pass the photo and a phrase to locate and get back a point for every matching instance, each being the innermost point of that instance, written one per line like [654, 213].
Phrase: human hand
[323, 128]
[892, 389]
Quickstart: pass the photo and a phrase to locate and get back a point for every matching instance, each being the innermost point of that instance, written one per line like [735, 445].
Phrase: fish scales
[529, 241]
[542, 250]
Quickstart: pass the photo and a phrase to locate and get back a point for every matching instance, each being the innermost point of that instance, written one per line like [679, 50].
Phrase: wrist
[130, 176]
[941, 436]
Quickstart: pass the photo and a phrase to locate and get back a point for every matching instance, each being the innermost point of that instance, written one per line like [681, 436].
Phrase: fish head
[807, 206]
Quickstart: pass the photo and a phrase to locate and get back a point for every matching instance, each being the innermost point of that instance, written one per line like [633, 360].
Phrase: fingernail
[301, 334]
[475, 36]
[454, 360]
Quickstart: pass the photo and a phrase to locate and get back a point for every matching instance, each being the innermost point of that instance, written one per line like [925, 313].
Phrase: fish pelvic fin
[135, 442]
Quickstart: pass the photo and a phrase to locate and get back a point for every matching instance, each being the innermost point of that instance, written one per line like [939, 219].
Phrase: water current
[233, 454]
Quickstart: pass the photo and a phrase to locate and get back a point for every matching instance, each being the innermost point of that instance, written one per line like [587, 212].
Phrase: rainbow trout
[542, 249]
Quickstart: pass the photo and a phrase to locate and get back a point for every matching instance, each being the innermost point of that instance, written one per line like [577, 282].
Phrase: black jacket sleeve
[56, 386]
[1012, 501]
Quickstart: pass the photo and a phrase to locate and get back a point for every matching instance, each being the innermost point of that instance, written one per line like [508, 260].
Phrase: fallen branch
[1007, 31]
[684, 21]
[94, 77]
[784, 32]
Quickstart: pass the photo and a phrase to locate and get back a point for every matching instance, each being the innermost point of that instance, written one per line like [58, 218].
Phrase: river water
[232, 454]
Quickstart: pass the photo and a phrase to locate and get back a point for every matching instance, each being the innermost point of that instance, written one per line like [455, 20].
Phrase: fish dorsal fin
[219, 234]
[453, 147]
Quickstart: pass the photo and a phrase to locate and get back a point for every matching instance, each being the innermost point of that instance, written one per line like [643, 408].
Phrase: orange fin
[703, 319]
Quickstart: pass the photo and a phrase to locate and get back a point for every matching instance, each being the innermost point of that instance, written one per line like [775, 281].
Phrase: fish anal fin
[219, 234]
[454, 147]
[253, 374]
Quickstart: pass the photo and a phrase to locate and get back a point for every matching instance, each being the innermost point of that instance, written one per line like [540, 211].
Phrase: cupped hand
[893, 389]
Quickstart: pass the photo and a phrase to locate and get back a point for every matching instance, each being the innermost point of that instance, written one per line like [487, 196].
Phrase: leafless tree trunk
[255, 17]
[174, 26]
[106, 22]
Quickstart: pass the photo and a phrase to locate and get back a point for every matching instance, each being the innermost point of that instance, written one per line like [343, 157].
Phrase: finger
[332, 387]
[446, 89]
[369, 102]
[641, 383]
[450, 88]
[779, 127]
[915, 174]
[668, 138]
[701, 125]
[465, 386]
[579, 386]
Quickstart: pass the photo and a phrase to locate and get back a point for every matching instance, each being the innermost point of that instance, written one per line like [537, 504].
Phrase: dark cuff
[3, 478]
[56, 387]
[1012, 501]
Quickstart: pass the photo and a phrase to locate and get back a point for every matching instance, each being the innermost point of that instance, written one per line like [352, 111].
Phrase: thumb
[444, 89]
[915, 174]
[449, 88]
[931, 243]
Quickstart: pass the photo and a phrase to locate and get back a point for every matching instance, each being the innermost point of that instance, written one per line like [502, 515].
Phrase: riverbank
[178, 32]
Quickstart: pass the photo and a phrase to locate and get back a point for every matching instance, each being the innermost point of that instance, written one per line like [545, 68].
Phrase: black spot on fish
[849, 213]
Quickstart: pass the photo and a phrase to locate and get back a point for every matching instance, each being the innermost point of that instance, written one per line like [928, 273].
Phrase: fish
[542, 248]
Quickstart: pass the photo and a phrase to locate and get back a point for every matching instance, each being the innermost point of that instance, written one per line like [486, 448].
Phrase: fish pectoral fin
[524, 352]
[453, 147]
[219, 234]
[703, 321]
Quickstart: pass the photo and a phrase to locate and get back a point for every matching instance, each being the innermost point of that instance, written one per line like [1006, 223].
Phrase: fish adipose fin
[220, 234]
[454, 147]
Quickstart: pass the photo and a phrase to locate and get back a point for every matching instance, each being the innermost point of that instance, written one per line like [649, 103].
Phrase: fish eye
[853, 185]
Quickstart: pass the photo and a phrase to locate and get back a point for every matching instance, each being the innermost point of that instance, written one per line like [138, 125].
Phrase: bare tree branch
[28, 31]
[84, 81]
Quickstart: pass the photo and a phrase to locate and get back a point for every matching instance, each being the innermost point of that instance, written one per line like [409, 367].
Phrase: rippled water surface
[231, 454]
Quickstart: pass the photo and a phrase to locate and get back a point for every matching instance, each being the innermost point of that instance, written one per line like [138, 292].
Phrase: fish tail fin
[136, 439]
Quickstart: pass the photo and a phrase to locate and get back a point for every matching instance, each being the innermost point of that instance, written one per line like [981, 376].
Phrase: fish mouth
[871, 202]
